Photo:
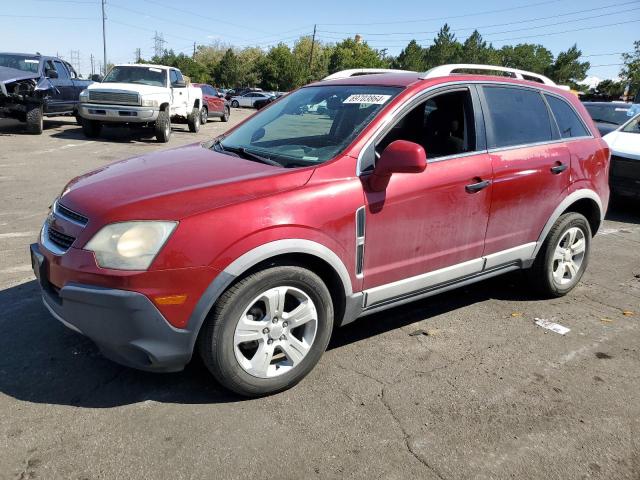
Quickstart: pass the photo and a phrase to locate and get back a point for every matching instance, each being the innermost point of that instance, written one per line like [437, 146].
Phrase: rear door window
[568, 122]
[516, 116]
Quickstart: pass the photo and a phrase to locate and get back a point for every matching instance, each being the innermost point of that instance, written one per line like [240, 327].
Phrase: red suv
[344, 198]
[213, 104]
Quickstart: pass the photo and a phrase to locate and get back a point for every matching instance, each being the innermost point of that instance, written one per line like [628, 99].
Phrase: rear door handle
[559, 168]
[476, 187]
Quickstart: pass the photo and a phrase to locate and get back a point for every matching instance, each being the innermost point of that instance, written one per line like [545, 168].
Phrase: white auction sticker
[155, 70]
[370, 98]
[28, 60]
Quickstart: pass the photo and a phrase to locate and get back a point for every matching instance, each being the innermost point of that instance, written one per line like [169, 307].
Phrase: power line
[486, 12]
[501, 24]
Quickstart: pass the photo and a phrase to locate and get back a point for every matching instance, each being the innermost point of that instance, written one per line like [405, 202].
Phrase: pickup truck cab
[141, 95]
[250, 248]
[37, 86]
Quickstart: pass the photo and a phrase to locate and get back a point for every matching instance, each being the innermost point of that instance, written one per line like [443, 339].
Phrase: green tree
[411, 58]
[567, 68]
[227, 72]
[476, 50]
[630, 71]
[249, 59]
[445, 49]
[526, 56]
[611, 88]
[355, 54]
[280, 70]
[320, 63]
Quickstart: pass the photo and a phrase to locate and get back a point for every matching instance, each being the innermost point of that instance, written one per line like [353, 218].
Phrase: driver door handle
[476, 187]
[558, 168]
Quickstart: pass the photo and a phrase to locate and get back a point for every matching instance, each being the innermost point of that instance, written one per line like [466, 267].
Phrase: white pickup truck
[140, 95]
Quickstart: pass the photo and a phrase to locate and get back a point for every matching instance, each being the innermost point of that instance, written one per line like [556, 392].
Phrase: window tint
[567, 120]
[517, 116]
[174, 77]
[62, 70]
[443, 125]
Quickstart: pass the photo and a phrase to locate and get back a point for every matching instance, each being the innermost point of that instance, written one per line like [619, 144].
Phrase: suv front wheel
[268, 331]
[563, 257]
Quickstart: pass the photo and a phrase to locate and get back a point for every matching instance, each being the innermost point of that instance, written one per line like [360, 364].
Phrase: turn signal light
[170, 300]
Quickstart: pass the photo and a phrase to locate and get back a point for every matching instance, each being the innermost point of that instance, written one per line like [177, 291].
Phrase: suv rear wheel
[563, 257]
[268, 331]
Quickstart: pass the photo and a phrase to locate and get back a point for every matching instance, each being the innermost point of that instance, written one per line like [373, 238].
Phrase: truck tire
[225, 115]
[91, 128]
[34, 119]
[163, 126]
[204, 115]
[194, 120]
[285, 312]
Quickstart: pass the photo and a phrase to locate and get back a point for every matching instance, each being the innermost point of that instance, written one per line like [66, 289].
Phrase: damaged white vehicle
[141, 95]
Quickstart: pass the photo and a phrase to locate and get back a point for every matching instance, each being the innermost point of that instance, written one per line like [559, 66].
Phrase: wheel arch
[299, 252]
[584, 201]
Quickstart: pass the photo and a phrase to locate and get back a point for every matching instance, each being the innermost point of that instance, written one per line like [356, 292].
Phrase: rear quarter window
[516, 116]
[568, 121]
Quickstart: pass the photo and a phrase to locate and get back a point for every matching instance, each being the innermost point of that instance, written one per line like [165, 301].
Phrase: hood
[624, 144]
[174, 184]
[8, 74]
[128, 87]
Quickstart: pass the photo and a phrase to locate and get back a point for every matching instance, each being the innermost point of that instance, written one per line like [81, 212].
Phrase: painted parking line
[18, 234]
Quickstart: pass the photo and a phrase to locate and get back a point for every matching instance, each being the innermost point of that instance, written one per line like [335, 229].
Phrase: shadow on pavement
[44, 362]
[624, 210]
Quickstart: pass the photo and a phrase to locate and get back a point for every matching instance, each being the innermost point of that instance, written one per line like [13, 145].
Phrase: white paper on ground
[554, 327]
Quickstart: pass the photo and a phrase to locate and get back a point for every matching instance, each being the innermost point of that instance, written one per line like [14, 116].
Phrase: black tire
[235, 104]
[162, 126]
[541, 273]
[216, 340]
[225, 116]
[34, 119]
[78, 118]
[204, 115]
[91, 128]
[194, 120]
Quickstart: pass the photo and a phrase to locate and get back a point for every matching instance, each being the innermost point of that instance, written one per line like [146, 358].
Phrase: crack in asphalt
[407, 437]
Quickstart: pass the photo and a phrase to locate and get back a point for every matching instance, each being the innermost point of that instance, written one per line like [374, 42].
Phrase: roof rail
[354, 72]
[444, 70]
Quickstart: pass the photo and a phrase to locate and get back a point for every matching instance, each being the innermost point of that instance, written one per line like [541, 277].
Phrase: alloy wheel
[275, 332]
[568, 256]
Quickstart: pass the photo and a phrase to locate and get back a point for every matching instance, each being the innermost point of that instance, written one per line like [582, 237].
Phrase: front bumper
[125, 325]
[118, 113]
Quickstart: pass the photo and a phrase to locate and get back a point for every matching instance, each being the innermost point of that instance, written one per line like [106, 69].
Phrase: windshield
[309, 126]
[155, 77]
[633, 126]
[20, 62]
[615, 114]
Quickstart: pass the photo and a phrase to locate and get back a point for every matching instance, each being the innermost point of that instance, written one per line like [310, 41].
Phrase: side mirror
[51, 74]
[400, 156]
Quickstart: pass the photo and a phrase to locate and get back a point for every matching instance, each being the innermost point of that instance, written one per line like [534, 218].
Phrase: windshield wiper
[243, 152]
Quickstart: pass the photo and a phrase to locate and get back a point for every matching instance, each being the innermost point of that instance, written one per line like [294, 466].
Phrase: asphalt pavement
[462, 385]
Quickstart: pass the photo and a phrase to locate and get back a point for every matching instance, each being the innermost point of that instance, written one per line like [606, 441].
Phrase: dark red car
[344, 198]
[214, 105]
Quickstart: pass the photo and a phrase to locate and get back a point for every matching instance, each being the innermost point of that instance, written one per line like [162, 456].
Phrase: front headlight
[84, 95]
[129, 245]
[149, 102]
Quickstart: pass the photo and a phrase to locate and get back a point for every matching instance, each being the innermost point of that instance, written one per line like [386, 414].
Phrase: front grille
[60, 239]
[69, 214]
[121, 98]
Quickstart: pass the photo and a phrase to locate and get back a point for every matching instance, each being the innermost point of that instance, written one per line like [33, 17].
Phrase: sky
[602, 28]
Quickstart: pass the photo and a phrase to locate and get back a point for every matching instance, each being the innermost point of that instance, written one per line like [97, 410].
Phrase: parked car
[624, 173]
[263, 102]
[214, 104]
[36, 86]
[249, 99]
[139, 95]
[608, 116]
[249, 249]
[240, 91]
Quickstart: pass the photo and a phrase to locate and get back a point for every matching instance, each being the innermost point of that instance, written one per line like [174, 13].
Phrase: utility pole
[313, 43]
[138, 54]
[194, 50]
[104, 40]
[92, 66]
[74, 59]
